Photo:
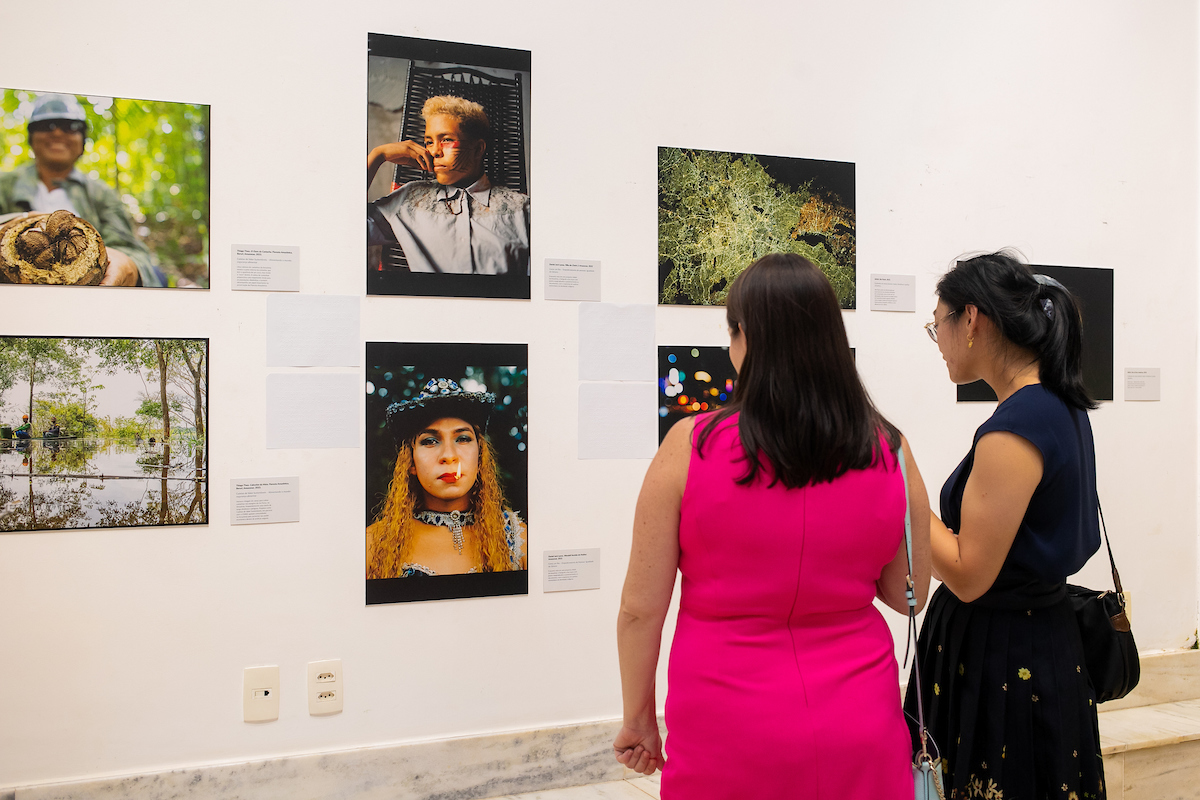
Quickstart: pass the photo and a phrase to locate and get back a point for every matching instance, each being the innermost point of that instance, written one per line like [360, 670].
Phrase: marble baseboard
[450, 769]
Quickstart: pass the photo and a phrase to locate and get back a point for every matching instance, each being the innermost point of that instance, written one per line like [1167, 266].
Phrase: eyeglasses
[51, 125]
[931, 327]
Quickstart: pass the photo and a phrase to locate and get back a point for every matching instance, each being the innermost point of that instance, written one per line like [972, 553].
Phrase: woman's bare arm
[1006, 471]
[649, 582]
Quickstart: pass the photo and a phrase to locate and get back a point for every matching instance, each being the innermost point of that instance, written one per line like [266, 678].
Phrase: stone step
[1151, 738]
[1152, 752]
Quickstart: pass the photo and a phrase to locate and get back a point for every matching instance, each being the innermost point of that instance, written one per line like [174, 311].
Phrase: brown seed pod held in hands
[59, 223]
[69, 250]
[32, 242]
[57, 248]
[44, 259]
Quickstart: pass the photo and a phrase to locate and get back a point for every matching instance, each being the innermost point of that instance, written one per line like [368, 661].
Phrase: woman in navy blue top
[1007, 696]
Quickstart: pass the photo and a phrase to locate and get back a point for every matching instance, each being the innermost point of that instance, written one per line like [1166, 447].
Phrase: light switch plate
[325, 687]
[260, 694]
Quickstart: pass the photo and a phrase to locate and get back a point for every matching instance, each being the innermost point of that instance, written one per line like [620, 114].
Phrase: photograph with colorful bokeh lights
[691, 380]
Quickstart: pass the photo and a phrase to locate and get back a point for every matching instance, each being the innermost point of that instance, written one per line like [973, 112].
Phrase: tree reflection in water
[86, 483]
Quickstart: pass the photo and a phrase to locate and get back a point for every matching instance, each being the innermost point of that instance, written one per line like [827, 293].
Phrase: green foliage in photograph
[56, 376]
[27, 363]
[155, 154]
[719, 212]
[124, 428]
[74, 418]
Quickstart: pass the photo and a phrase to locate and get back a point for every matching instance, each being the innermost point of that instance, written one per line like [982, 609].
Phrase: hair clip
[1046, 280]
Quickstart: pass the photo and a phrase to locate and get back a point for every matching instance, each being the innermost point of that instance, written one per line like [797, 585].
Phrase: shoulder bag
[1109, 652]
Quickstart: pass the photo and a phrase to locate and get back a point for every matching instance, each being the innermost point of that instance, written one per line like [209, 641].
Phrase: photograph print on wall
[720, 212]
[691, 380]
[447, 168]
[102, 433]
[103, 191]
[1093, 288]
[447, 471]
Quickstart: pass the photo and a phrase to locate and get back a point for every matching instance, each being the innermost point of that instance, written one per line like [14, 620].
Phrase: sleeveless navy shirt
[1061, 528]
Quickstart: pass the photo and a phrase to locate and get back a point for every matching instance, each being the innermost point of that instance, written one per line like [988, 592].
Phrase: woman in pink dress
[784, 512]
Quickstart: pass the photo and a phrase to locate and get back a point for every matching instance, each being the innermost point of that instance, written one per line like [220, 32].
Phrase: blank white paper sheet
[313, 411]
[313, 330]
[618, 420]
[616, 342]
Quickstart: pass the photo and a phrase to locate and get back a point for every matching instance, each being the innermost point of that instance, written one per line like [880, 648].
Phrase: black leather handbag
[1109, 651]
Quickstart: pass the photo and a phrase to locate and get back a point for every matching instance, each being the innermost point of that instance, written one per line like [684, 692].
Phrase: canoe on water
[41, 439]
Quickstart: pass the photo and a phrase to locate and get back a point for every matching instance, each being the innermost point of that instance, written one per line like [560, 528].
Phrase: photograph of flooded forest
[720, 212]
[102, 433]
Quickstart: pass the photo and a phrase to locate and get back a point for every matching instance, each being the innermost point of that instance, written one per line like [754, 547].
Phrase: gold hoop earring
[970, 342]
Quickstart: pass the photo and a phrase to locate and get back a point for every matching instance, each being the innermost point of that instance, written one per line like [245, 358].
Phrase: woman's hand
[639, 748]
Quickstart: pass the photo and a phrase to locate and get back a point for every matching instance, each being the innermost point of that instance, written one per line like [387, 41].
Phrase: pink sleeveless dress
[783, 681]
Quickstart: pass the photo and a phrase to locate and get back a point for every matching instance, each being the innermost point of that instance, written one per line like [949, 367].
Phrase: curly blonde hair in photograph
[472, 119]
[389, 538]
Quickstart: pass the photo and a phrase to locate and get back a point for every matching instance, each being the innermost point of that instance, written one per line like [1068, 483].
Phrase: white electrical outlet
[260, 694]
[325, 687]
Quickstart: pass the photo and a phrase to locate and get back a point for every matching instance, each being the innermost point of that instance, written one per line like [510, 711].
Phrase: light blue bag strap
[909, 590]
[924, 761]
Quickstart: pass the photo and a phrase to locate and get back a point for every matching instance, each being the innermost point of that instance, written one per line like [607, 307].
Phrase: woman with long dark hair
[1003, 677]
[784, 512]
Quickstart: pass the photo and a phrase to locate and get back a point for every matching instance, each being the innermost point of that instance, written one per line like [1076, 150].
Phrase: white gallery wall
[1066, 129]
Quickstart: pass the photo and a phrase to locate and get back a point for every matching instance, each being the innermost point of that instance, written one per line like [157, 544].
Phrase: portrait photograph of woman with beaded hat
[446, 471]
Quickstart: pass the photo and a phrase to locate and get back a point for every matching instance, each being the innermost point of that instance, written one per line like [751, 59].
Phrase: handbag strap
[911, 596]
[1112, 562]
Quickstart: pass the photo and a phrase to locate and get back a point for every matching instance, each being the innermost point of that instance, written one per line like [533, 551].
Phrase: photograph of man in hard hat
[447, 169]
[115, 163]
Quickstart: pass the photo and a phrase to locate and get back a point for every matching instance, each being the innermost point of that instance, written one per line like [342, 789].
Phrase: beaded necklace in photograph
[453, 520]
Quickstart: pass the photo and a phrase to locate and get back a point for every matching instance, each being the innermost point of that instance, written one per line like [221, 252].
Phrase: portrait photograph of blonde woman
[447, 481]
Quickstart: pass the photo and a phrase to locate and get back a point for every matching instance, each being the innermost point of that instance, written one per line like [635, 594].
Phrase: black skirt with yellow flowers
[1006, 694]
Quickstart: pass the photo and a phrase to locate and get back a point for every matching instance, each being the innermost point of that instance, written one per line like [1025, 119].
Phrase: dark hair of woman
[1037, 316]
[798, 395]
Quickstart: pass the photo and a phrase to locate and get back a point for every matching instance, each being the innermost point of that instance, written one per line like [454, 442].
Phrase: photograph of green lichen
[719, 212]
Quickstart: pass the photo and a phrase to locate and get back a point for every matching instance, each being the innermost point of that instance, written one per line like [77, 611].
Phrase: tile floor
[636, 787]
